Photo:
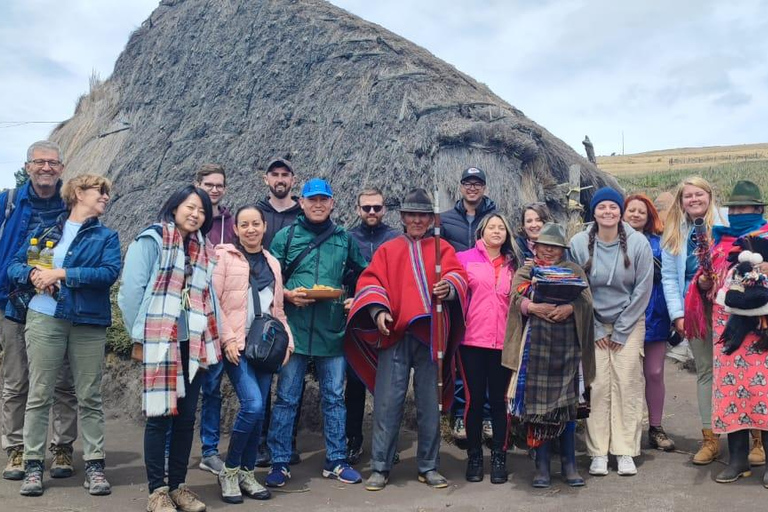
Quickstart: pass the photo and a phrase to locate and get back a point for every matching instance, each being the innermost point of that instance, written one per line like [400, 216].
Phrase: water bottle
[46, 256]
[33, 253]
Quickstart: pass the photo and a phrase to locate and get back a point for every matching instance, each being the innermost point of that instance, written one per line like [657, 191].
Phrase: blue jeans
[330, 373]
[251, 388]
[210, 412]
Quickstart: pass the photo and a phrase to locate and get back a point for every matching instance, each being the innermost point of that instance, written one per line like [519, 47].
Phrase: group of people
[517, 331]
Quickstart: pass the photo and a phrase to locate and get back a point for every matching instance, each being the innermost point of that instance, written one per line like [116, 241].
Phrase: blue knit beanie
[607, 194]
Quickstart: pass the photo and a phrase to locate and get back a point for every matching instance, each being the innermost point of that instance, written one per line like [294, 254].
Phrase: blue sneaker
[278, 476]
[341, 471]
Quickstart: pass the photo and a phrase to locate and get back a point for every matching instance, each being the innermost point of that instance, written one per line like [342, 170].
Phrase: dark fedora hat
[745, 193]
[552, 234]
[417, 200]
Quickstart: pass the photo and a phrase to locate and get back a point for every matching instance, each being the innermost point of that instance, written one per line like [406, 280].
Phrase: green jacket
[318, 329]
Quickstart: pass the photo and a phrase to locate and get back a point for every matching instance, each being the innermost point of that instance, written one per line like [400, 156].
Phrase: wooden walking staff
[437, 320]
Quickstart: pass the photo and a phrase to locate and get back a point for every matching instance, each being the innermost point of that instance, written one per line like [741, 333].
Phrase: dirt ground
[665, 481]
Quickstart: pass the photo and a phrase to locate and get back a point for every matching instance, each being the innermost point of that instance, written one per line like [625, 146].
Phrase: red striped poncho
[400, 278]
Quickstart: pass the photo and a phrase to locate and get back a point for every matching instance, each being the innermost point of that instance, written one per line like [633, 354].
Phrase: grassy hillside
[722, 177]
[658, 171]
[687, 159]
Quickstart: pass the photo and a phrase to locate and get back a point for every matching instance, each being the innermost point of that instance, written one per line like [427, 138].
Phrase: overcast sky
[666, 73]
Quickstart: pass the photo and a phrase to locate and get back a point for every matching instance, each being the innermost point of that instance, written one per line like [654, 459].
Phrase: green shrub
[118, 340]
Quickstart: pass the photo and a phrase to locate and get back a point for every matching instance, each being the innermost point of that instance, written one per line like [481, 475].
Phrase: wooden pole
[437, 320]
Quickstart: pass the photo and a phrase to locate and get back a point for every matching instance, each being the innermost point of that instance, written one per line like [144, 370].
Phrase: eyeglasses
[103, 189]
[368, 208]
[40, 162]
[209, 186]
[472, 184]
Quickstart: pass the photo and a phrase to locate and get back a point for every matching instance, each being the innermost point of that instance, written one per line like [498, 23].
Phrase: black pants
[483, 371]
[182, 428]
[354, 399]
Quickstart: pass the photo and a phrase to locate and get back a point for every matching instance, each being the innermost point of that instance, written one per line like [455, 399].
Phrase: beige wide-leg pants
[617, 398]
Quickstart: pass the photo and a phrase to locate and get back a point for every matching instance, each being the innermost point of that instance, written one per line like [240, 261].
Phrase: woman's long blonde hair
[675, 234]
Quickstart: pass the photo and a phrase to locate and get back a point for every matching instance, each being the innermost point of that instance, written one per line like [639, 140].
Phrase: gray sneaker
[251, 487]
[212, 463]
[33, 478]
[230, 485]
[95, 480]
[377, 481]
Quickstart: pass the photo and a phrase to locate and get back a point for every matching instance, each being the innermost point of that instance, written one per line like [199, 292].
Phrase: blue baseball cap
[316, 187]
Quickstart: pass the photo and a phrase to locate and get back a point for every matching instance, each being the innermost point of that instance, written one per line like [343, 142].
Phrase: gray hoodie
[620, 295]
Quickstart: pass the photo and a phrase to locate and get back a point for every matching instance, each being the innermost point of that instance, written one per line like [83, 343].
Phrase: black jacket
[457, 230]
[277, 220]
[369, 239]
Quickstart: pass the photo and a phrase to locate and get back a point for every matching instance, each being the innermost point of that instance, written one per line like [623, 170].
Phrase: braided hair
[591, 246]
[623, 244]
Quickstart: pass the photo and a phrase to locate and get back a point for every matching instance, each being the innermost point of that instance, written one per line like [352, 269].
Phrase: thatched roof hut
[239, 82]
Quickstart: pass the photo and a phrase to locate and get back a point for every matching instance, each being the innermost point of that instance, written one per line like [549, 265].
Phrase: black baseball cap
[473, 172]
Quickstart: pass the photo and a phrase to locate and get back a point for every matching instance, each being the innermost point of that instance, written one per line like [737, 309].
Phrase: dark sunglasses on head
[368, 208]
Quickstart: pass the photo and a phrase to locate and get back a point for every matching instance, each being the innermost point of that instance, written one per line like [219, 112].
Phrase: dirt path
[666, 481]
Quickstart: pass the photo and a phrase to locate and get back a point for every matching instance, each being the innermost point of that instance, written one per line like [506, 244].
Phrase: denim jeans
[251, 388]
[210, 411]
[182, 432]
[330, 373]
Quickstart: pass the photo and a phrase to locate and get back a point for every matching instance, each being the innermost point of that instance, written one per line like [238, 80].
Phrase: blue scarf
[740, 225]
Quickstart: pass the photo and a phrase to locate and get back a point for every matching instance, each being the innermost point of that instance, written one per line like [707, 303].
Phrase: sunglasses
[368, 208]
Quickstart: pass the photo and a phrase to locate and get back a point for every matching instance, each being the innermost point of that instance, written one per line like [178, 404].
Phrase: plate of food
[319, 292]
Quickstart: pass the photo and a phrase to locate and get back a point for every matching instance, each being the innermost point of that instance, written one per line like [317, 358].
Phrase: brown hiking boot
[61, 467]
[186, 500]
[757, 453]
[14, 470]
[160, 501]
[710, 448]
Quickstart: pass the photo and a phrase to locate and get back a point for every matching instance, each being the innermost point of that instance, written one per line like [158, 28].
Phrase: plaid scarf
[172, 292]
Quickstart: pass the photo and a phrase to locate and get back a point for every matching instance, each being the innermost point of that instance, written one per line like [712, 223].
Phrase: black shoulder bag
[267, 340]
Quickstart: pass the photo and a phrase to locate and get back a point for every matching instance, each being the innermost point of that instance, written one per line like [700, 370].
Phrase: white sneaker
[599, 466]
[626, 465]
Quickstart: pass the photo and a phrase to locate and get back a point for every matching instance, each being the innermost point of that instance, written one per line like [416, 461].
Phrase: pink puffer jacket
[230, 281]
[486, 319]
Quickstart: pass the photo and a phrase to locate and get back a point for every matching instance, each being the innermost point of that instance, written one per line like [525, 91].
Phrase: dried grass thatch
[241, 81]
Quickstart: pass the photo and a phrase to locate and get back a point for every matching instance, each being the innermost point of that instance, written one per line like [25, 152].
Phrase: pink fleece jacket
[486, 320]
[230, 281]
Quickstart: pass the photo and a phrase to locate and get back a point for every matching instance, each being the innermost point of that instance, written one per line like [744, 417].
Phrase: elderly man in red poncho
[390, 331]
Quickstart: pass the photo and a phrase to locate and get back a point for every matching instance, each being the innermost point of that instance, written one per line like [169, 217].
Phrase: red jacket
[400, 278]
[486, 319]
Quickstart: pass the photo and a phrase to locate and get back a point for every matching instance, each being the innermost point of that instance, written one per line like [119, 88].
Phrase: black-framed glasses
[368, 208]
[472, 184]
[40, 162]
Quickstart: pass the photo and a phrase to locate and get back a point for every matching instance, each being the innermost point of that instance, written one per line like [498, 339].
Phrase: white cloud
[668, 73]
